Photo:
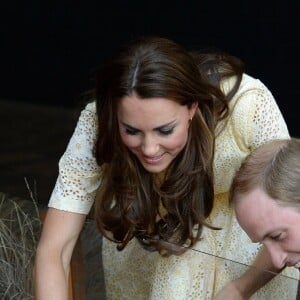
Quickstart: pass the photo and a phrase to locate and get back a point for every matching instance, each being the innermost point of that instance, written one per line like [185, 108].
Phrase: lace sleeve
[79, 174]
[259, 118]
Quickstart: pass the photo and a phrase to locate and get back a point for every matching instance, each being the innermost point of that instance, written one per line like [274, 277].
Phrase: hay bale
[20, 228]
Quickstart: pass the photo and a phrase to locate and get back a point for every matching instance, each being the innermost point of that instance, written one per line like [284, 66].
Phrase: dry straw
[19, 232]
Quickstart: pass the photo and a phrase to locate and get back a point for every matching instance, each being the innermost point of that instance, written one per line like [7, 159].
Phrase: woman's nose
[150, 146]
[278, 256]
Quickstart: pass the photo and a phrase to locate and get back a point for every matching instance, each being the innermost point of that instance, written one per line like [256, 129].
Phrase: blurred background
[49, 50]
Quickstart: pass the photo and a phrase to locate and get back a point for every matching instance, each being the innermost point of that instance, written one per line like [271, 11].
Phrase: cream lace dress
[135, 273]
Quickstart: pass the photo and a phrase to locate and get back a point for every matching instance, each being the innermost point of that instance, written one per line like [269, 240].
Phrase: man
[266, 196]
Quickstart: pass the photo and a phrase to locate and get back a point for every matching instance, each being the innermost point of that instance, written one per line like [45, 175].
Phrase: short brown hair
[275, 168]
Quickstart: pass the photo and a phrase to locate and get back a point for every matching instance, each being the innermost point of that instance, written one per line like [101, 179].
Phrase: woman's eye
[131, 131]
[166, 131]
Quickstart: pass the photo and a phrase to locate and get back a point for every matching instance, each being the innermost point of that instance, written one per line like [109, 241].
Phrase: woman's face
[155, 130]
[276, 226]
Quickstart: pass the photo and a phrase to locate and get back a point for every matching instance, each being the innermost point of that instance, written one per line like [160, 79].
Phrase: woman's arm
[60, 232]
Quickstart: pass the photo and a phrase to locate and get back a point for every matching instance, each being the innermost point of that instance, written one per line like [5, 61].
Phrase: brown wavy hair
[129, 198]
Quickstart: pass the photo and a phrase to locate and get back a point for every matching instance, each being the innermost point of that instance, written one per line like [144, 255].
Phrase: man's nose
[278, 256]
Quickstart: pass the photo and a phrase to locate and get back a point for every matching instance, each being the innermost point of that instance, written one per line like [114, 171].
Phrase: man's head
[266, 196]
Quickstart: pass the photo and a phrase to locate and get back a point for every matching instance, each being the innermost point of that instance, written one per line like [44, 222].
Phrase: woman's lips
[152, 160]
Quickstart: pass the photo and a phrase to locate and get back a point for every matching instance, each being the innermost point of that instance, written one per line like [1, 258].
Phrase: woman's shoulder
[90, 106]
[247, 83]
[88, 114]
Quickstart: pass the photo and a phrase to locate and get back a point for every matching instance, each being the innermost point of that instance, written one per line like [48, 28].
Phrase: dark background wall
[49, 48]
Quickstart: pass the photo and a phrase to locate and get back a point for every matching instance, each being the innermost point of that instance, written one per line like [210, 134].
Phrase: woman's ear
[193, 109]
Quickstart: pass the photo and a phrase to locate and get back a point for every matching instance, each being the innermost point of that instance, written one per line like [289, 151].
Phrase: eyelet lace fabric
[79, 174]
[135, 273]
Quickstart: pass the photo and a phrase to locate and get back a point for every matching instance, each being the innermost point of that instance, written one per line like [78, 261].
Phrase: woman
[160, 147]
[266, 194]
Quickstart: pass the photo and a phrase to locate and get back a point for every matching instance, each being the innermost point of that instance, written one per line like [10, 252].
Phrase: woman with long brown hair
[156, 152]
